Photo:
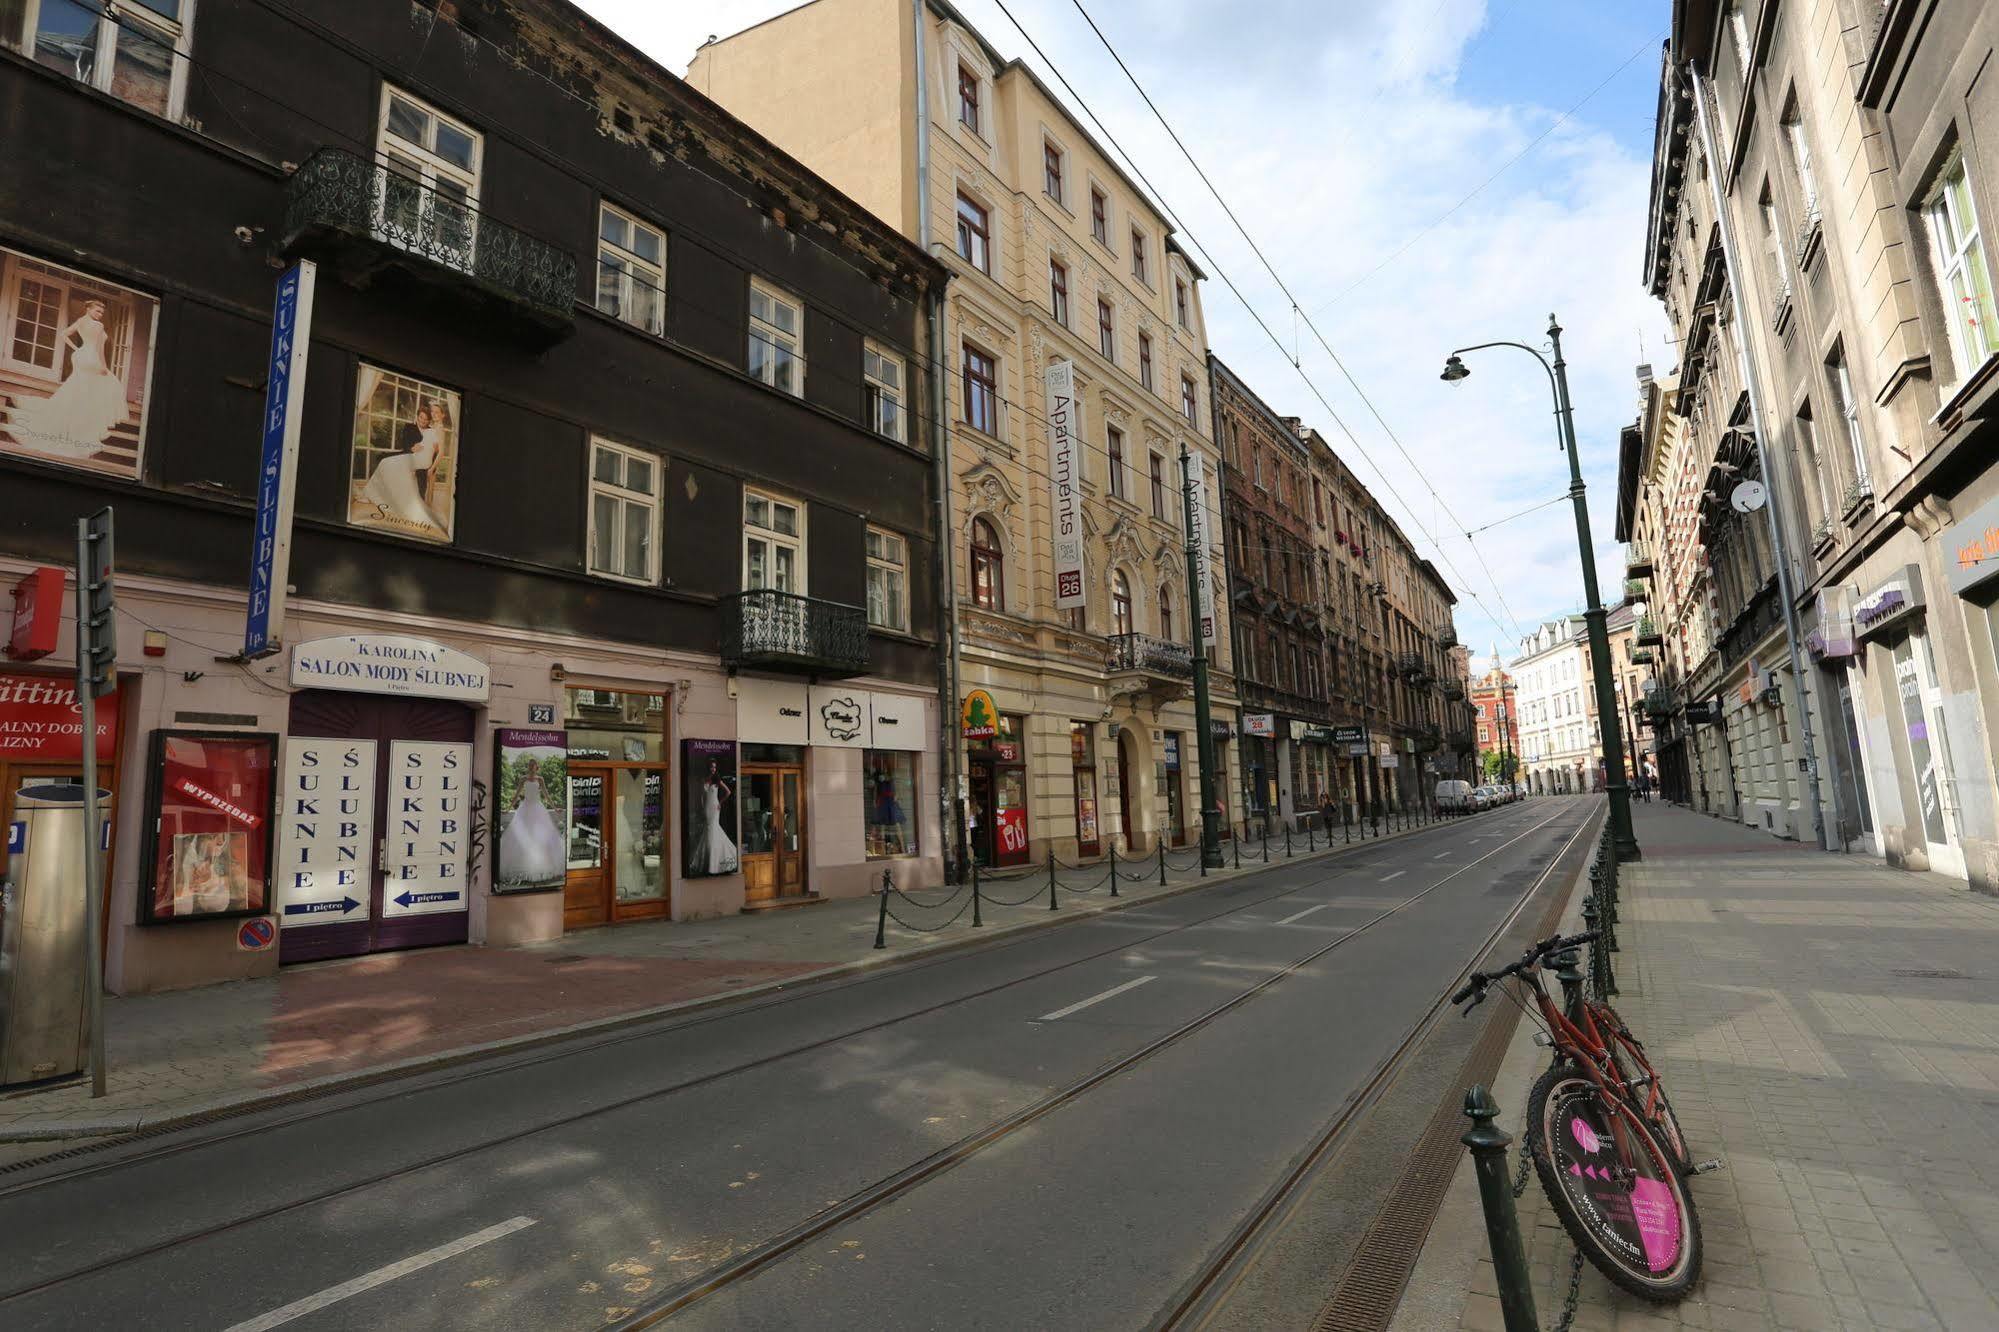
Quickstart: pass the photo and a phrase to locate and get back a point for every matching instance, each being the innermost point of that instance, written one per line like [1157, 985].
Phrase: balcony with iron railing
[1641, 656]
[1447, 636]
[782, 631]
[1637, 589]
[1411, 666]
[1638, 559]
[1453, 690]
[366, 219]
[1648, 632]
[1146, 655]
[1659, 702]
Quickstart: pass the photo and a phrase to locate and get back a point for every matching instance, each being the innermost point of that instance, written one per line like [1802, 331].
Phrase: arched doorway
[1127, 764]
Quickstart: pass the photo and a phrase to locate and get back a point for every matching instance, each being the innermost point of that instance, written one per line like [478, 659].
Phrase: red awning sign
[41, 720]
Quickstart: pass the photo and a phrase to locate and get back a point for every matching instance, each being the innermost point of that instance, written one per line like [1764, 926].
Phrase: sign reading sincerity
[277, 468]
[1065, 502]
[390, 664]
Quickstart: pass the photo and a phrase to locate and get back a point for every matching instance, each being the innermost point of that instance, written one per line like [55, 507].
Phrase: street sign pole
[96, 674]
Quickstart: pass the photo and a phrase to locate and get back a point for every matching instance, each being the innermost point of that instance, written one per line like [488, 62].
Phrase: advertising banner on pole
[277, 468]
[1065, 501]
[1204, 611]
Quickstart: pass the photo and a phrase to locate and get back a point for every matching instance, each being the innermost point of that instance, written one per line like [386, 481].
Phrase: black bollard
[1572, 983]
[1488, 1143]
[1113, 868]
[881, 921]
[1266, 843]
[1051, 878]
[1346, 824]
[1162, 862]
[976, 922]
[1287, 841]
[1235, 847]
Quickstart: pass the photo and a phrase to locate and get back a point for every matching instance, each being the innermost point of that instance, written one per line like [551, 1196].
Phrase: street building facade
[1837, 348]
[1495, 698]
[610, 590]
[1561, 750]
[1069, 299]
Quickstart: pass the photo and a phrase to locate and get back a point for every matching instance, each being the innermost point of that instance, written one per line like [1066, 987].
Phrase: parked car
[1483, 797]
[1453, 797]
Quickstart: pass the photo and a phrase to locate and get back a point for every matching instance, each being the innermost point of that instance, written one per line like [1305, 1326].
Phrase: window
[1801, 158]
[1318, 502]
[1808, 444]
[429, 181]
[1106, 330]
[1058, 292]
[773, 543]
[888, 580]
[883, 375]
[1188, 401]
[1138, 256]
[1120, 604]
[776, 330]
[974, 235]
[1180, 301]
[631, 270]
[891, 797]
[625, 486]
[1962, 274]
[1100, 217]
[988, 567]
[1849, 412]
[1166, 613]
[1114, 447]
[1739, 27]
[137, 53]
[981, 391]
[968, 99]
[1158, 486]
[1773, 247]
[1051, 171]
[1145, 359]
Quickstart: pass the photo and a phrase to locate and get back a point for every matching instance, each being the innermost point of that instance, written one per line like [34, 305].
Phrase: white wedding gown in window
[721, 851]
[531, 850]
[394, 487]
[74, 420]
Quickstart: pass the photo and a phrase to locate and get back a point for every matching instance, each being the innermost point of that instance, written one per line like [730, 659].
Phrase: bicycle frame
[1585, 1047]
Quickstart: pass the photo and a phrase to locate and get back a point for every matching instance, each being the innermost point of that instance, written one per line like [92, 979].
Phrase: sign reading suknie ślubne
[1064, 501]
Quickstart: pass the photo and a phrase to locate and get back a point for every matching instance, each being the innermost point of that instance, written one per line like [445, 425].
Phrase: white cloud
[1338, 132]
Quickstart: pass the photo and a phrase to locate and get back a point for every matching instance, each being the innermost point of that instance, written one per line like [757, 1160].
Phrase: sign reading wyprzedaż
[1064, 502]
[1197, 483]
[390, 664]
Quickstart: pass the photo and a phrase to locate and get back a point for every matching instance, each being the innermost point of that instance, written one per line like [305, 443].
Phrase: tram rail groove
[754, 1260]
[46, 1284]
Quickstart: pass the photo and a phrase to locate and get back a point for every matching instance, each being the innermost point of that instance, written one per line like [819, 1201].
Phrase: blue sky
[1341, 132]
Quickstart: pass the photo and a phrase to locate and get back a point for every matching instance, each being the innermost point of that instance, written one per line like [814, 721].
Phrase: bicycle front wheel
[1619, 1194]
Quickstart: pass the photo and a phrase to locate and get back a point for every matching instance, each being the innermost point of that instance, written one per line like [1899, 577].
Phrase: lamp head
[1454, 370]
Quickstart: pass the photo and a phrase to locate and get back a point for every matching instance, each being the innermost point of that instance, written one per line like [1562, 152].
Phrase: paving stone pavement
[182, 1052]
[1829, 1027]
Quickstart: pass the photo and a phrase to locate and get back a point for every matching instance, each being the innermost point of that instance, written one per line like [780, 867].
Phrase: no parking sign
[256, 934]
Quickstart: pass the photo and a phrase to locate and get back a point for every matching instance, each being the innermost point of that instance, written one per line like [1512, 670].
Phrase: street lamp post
[1593, 614]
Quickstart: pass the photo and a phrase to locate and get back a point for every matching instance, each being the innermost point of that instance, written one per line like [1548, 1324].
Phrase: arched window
[1166, 613]
[988, 567]
[1120, 604]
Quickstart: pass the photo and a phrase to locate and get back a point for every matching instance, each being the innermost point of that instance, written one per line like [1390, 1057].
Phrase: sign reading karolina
[390, 664]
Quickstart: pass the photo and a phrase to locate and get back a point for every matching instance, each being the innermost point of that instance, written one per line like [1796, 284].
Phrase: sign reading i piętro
[1064, 502]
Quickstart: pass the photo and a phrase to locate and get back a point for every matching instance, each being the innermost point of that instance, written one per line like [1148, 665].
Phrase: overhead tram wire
[1251, 310]
[1297, 313]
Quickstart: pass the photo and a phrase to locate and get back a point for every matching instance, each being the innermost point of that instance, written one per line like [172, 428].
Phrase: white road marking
[1111, 993]
[1398, 874]
[1440, 855]
[1306, 912]
[381, 1276]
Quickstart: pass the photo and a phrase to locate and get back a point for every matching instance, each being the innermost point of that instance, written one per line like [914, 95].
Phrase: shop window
[624, 512]
[888, 580]
[209, 811]
[891, 796]
[631, 270]
[138, 53]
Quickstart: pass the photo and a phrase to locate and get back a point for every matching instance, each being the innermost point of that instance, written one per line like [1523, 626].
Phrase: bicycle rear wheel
[1619, 1194]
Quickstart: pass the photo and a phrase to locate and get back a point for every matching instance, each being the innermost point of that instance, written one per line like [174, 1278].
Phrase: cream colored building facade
[1055, 255]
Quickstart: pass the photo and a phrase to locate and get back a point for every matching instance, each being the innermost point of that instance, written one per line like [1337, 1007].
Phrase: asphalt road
[576, 1184]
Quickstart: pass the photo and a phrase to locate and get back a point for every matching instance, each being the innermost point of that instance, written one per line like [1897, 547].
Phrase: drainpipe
[950, 751]
[1792, 637]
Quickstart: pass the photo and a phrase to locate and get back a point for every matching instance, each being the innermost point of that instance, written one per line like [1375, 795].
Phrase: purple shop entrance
[375, 819]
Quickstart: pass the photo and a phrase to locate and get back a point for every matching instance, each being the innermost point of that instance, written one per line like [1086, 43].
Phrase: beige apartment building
[1056, 257]
[1839, 345]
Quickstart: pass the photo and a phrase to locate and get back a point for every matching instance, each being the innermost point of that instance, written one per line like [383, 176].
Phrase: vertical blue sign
[277, 467]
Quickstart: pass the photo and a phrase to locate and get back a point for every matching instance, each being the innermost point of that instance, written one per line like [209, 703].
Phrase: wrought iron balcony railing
[1641, 656]
[1152, 656]
[1447, 636]
[1648, 631]
[1452, 690]
[1638, 559]
[1660, 702]
[1636, 589]
[372, 216]
[1412, 666]
[784, 631]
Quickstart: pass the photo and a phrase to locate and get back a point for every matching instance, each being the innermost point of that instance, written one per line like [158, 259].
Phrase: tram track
[668, 1028]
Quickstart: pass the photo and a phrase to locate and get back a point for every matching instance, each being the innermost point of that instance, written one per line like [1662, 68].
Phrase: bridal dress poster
[531, 794]
[210, 801]
[403, 474]
[708, 777]
[76, 358]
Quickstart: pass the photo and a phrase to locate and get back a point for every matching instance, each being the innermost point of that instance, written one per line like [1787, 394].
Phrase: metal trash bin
[44, 936]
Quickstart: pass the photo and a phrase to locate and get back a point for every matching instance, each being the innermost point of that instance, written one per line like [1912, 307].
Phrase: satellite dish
[1748, 497]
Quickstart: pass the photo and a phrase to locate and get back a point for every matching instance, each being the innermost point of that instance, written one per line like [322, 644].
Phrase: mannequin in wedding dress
[531, 849]
[397, 485]
[73, 421]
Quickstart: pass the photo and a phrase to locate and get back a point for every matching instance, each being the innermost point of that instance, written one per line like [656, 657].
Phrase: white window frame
[887, 565]
[768, 534]
[430, 169]
[634, 269]
[981, 240]
[1958, 247]
[177, 35]
[1801, 156]
[883, 387]
[770, 334]
[627, 498]
[1848, 408]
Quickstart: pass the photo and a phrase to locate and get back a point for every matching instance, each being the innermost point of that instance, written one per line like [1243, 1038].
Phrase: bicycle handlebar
[1475, 987]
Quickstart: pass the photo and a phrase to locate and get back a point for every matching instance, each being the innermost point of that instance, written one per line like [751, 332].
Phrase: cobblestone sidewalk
[1830, 1028]
[177, 1054]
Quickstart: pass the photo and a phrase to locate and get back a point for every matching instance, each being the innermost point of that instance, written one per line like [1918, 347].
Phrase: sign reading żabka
[1065, 504]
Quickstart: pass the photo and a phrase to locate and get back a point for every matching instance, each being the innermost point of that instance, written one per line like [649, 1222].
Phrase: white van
[1453, 797]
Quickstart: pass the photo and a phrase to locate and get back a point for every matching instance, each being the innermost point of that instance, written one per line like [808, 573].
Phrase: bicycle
[1619, 1192]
